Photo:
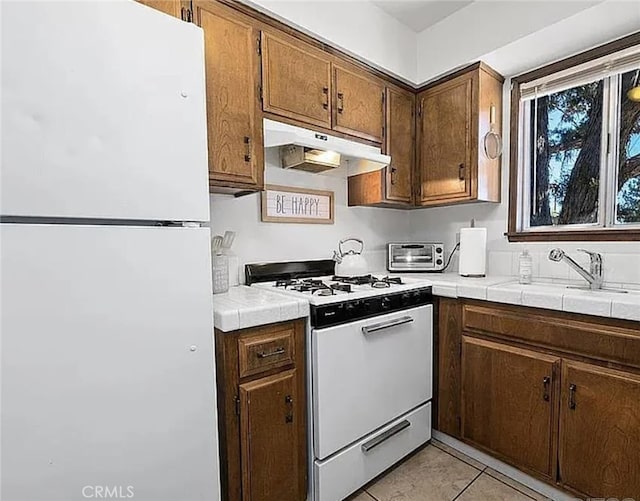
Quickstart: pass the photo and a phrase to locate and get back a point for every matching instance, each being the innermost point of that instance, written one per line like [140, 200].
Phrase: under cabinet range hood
[312, 151]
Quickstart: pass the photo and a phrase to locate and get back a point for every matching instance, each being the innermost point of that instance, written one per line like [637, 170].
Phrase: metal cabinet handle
[385, 435]
[545, 384]
[247, 155]
[572, 396]
[264, 354]
[461, 172]
[325, 103]
[393, 175]
[367, 329]
[340, 102]
[289, 401]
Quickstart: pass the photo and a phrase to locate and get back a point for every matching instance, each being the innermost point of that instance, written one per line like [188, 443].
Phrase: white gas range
[369, 357]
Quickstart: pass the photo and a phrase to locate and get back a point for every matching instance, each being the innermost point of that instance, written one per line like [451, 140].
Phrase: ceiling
[420, 14]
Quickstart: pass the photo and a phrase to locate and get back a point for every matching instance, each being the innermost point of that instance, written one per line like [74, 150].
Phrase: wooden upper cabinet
[445, 140]
[357, 103]
[454, 117]
[400, 144]
[296, 80]
[234, 117]
[600, 431]
[269, 439]
[392, 186]
[175, 8]
[508, 402]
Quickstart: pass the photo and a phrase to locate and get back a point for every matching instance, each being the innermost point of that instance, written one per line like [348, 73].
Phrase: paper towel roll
[473, 252]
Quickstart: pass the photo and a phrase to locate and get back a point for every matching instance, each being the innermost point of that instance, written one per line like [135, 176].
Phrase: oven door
[367, 373]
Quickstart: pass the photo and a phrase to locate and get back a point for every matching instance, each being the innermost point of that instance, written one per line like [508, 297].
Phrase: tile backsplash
[622, 270]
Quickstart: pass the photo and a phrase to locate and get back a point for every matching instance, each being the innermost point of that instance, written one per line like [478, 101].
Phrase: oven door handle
[385, 435]
[367, 329]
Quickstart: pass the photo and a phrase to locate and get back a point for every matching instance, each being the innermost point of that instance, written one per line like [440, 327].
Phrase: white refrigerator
[107, 366]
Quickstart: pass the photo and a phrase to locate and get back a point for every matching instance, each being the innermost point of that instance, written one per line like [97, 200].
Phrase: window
[576, 148]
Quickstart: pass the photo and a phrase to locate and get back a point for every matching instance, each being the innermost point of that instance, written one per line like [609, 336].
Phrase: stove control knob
[385, 303]
[438, 250]
[405, 297]
[350, 306]
[438, 261]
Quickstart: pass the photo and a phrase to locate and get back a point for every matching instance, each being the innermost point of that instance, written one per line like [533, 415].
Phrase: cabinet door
[296, 79]
[175, 8]
[358, 104]
[600, 431]
[233, 105]
[445, 141]
[400, 144]
[269, 439]
[508, 403]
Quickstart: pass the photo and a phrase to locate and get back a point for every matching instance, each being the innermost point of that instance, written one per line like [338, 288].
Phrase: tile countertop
[244, 307]
[552, 296]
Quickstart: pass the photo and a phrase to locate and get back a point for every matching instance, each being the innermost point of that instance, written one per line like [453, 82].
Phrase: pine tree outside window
[577, 157]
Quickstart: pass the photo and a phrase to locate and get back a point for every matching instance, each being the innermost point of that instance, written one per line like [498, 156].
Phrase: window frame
[516, 177]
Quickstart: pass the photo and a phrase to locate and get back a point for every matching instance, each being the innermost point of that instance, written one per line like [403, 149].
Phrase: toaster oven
[415, 256]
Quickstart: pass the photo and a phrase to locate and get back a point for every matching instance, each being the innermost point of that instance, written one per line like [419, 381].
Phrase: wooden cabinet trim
[447, 358]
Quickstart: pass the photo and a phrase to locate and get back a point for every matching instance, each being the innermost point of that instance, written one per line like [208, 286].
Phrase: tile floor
[440, 473]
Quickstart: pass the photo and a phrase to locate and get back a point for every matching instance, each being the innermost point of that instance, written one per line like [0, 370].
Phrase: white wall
[257, 241]
[483, 27]
[358, 27]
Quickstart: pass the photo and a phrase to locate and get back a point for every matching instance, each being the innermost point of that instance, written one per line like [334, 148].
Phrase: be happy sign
[281, 204]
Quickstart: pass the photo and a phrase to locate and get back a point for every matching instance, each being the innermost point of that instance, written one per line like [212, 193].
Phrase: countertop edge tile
[243, 307]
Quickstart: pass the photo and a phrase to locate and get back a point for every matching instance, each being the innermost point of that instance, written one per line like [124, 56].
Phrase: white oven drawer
[337, 477]
[366, 373]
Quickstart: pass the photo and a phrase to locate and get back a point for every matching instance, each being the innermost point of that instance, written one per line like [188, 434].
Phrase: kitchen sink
[559, 287]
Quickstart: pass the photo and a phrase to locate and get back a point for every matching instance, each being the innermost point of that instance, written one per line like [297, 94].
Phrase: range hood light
[313, 152]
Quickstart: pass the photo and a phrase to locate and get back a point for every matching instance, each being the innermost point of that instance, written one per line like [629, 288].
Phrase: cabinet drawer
[611, 340]
[263, 352]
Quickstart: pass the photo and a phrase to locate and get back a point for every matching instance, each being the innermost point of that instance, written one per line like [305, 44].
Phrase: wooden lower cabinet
[555, 394]
[262, 412]
[269, 438]
[600, 431]
[508, 402]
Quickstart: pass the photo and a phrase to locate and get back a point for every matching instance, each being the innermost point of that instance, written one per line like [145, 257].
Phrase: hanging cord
[450, 256]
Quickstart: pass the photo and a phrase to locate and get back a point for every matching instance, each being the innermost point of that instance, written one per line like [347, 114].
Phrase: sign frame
[266, 217]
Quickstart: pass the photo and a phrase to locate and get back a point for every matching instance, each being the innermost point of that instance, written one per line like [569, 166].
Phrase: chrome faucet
[593, 276]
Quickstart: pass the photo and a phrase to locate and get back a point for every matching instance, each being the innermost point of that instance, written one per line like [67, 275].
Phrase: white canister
[220, 273]
[473, 252]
